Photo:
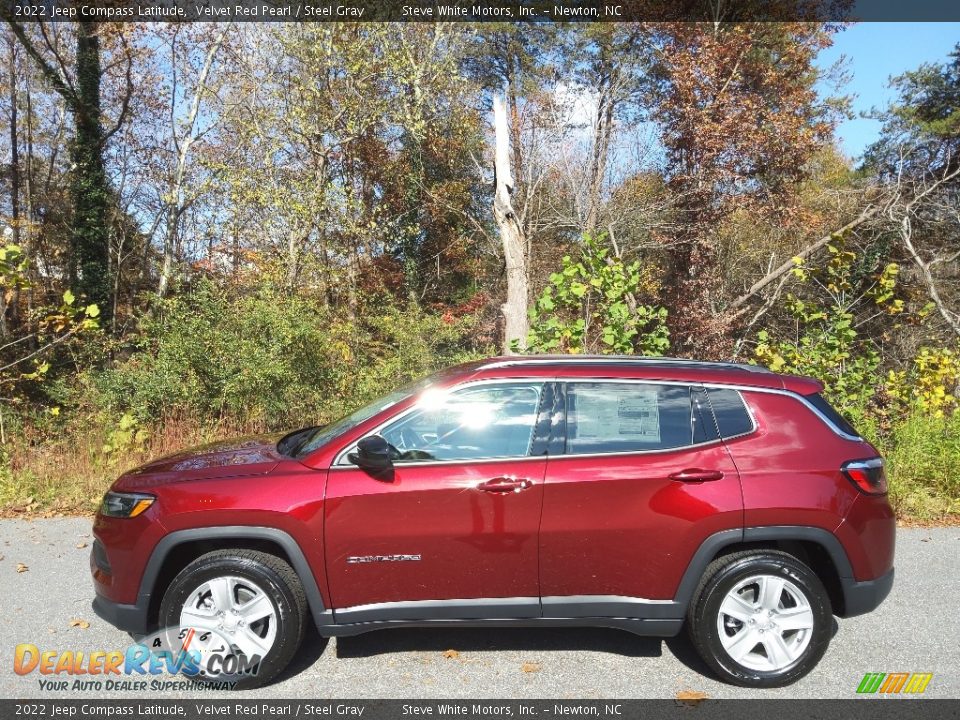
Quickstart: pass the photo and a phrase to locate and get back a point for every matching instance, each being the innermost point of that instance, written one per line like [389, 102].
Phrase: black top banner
[482, 10]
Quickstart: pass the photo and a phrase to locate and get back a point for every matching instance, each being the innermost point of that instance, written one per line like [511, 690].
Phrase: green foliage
[924, 116]
[828, 343]
[586, 308]
[929, 384]
[125, 435]
[54, 325]
[13, 267]
[923, 465]
[268, 359]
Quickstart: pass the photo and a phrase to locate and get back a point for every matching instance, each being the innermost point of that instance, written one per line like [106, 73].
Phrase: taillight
[867, 475]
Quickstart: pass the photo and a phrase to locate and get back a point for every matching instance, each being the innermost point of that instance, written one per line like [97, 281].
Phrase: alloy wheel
[765, 623]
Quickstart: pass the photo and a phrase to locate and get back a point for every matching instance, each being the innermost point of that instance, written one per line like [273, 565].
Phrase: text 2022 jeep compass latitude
[641, 494]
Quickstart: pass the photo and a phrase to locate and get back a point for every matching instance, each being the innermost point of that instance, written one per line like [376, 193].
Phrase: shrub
[591, 306]
[269, 360]
[923, 457]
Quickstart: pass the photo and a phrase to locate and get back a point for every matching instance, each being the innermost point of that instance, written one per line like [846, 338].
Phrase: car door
[452, 531]
[641, 480]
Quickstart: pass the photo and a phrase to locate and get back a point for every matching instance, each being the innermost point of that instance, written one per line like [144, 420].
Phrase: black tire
[279, 582]
[722, 576]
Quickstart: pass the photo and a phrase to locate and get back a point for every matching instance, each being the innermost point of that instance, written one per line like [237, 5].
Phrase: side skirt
[654, 618]
[642, 627]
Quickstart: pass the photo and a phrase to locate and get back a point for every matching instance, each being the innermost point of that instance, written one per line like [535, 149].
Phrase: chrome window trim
[341, 459]
[339, 462]
[620, 453]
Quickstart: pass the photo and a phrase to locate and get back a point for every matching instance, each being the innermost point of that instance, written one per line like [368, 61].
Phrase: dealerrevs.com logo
[204, 659]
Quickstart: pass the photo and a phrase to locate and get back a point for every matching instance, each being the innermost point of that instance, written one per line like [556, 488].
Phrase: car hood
[241, 457]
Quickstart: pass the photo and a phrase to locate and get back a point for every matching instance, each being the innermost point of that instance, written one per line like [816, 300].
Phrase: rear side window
[835, 418]
[731, 413]
[632, 417]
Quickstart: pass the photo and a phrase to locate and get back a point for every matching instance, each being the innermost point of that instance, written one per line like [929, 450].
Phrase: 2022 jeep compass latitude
[641, 494]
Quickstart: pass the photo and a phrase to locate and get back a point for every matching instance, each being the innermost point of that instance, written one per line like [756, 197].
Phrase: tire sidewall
[724, 581]
[288, 621]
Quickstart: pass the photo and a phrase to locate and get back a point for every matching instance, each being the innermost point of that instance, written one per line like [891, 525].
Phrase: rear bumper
[129, 618]
[862, 597]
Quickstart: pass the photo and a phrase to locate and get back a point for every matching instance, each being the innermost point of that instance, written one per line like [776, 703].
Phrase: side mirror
[374, 454]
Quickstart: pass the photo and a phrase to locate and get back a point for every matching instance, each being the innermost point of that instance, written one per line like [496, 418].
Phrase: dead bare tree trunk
[511, 236]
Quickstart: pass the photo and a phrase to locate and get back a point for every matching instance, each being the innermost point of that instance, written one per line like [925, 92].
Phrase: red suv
[640, 494]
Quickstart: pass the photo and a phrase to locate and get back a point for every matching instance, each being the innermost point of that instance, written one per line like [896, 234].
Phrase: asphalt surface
[915, 630]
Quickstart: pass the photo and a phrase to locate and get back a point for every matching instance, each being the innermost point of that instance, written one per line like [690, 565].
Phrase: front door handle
[505, 484]
[696, 475]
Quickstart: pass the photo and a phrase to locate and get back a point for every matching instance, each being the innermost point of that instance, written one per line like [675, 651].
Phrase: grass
[923, 467]
[70, 475]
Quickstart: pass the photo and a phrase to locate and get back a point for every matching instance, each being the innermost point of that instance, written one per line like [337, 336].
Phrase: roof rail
[657, 361]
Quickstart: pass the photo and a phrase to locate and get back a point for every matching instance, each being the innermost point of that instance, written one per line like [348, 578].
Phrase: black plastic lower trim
[643, 627]
[862, 597]
[129, 618]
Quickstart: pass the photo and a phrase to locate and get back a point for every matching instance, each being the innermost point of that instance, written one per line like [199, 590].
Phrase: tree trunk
[169, 250]
[14, 195]
[511, 235]
[89, 187]
[601, 151]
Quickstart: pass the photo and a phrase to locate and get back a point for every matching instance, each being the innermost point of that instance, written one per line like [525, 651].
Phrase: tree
[90, 270]
[740, 119]
[918, 155]
[511, 235]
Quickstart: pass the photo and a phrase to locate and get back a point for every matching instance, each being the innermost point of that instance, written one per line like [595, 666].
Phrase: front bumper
[862, 597]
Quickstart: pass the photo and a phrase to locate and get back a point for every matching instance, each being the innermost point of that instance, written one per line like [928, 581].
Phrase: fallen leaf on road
[451, 654]
[21, 568]
[82, 624]
[81, 546]
[691, 697]
[530, 667]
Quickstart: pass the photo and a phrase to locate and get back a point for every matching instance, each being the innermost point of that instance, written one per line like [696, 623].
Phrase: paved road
[916, 630]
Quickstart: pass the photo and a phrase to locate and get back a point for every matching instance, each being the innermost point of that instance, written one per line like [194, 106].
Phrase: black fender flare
[219, 533]
[718, 541]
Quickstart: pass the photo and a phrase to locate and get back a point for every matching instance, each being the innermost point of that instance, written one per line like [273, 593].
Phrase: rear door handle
[505, 484]
[696, 475]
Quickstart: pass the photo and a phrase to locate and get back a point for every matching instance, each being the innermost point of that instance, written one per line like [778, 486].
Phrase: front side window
[496, 421]
[634, 417]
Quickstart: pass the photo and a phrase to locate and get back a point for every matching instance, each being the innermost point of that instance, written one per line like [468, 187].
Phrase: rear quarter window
[835, 418]
[731, 412]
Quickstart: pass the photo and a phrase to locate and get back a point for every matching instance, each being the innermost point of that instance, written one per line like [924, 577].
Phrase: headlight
[125, 505]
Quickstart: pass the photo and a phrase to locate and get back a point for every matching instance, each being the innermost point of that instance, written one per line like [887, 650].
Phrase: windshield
[306, 441]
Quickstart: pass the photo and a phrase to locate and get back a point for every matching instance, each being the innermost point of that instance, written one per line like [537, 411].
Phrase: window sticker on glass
[639, 416]
[631, 413]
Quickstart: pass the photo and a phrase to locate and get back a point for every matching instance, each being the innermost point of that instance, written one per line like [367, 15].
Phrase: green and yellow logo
[892, 683]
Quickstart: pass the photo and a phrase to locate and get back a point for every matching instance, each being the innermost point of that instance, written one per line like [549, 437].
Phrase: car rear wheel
[760, 618]
[246, 607]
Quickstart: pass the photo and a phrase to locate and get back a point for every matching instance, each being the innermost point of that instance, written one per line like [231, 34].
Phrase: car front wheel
[760, 618]
[243, 612]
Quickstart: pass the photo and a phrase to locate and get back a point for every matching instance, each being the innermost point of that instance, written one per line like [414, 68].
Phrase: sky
[875, 52]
